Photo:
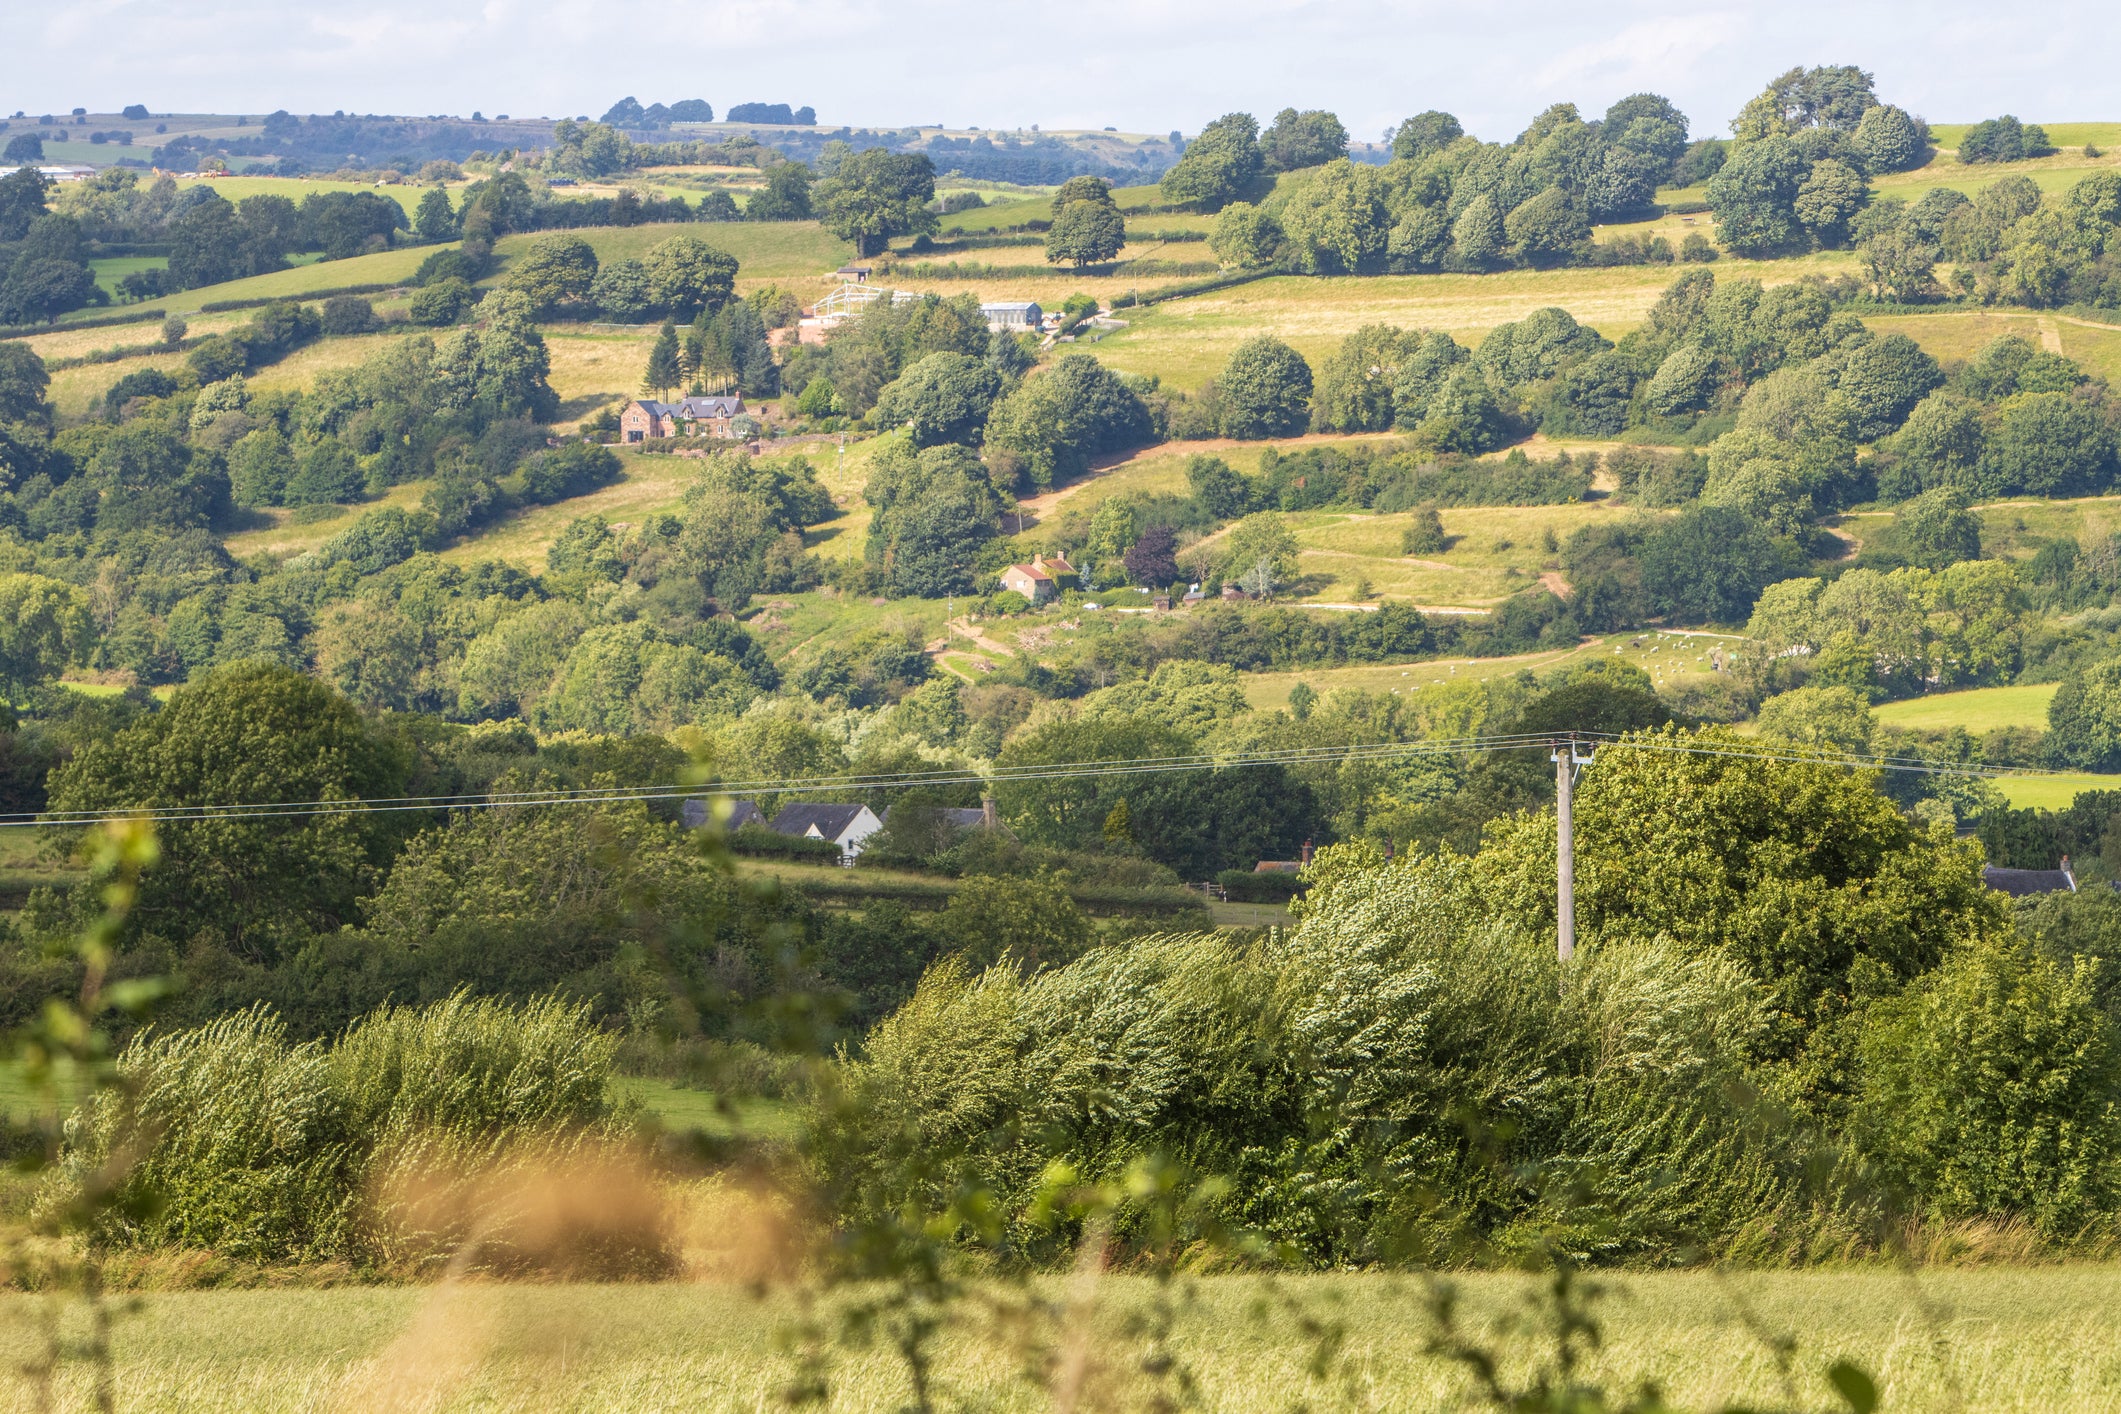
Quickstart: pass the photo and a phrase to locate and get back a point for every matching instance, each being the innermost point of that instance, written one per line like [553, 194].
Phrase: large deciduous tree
[1220, 166]
[252, 734]
[1266, 390]
[874, 195]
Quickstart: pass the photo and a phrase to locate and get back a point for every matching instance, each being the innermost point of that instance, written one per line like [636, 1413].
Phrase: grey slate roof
[698, 814]
[2019, 883]
[831, 820]
[695, 407]
[709, 407]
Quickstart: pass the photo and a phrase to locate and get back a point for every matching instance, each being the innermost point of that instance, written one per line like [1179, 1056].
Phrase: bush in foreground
[417, 1130]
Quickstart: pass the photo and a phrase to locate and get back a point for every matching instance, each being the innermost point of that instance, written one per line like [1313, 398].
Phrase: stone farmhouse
[1041, 579]
[645, 419]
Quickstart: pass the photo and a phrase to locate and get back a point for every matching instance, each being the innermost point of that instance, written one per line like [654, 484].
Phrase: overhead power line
[950, 776]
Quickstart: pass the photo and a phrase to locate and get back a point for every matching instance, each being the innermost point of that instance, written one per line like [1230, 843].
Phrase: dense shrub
[1990, 1090]
[267, 1150]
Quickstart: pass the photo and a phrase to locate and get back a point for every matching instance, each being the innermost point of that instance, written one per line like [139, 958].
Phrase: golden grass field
[798, 253]
[1670, 658]
[1187, 341]
[2002, 1341]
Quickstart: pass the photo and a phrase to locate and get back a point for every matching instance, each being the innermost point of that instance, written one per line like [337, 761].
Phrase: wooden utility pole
[1565, 845]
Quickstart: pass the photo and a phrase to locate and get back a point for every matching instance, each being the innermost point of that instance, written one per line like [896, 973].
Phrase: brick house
[1041, 579]
[645, 419]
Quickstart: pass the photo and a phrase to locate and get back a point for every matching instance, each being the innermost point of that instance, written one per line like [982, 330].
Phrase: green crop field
[1980, 710]
[1999, 1341]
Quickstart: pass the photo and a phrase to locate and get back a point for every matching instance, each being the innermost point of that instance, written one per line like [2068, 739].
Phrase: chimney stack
[1307, 854]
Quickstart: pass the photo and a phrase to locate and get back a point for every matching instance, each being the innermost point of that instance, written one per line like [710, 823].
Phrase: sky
[1141, 65]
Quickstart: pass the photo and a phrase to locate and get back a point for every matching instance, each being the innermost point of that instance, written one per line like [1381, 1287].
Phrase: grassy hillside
[1188, 341]
[765, 250]
[382, 268]
[1980, 710]
[406, 194]
[2063, 135]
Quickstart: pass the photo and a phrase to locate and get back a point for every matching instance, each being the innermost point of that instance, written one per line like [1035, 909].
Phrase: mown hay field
[2002, 1340]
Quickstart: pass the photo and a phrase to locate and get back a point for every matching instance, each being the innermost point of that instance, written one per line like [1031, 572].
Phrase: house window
[633, 436]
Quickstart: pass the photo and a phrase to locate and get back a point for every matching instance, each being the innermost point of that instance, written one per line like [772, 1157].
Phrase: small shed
[1014, 315]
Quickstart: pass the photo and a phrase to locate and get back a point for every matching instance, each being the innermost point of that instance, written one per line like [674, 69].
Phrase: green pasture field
[766, 251]
[2051, 792]
[2017, 529]
[1671, 659]
[647, 484]
[384, 267]
[796, 627]
[1491, 552]
[2000, 1340]
[2064, 135]
[111, 269]
[405, 194]
[2051, 174]
[680, 1108]
[283, 538]
[1981, 709]
[1133, 201]
[1188, 341]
